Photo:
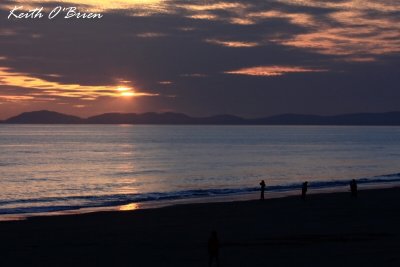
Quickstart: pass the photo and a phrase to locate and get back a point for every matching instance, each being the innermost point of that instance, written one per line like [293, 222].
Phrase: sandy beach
[325, 230]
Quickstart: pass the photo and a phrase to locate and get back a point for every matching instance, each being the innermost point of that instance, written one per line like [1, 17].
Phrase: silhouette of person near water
[262, 184]
[353, 188]
[304, 190]
[213, 249]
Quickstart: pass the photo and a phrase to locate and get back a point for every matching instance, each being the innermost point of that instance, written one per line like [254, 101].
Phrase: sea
[54, 168]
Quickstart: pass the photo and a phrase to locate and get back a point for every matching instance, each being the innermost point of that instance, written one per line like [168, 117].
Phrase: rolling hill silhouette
[51, 117]
[45, 117]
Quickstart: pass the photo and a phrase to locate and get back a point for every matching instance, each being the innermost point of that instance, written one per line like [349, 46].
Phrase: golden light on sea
[128, 207]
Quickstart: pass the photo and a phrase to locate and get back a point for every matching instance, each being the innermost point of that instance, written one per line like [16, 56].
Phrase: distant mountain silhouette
[162, 118]
[388, 118]
[145, 118]
[292, 119]
[50, 117]
[223, 119]
[45, 117]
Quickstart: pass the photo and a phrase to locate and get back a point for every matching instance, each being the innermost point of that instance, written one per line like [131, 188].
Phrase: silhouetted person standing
[262, 184]
[353, 188]
[213, 249]
[304, 190]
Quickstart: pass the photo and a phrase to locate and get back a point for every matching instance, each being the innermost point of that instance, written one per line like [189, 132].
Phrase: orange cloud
[351, 33]
[385, 6]
[97, 5]
[236, 44]
[213, 6]
[203, 16]
[301, 19]
[15, 98]
[242, 21]
[204, 11]
[271, 70]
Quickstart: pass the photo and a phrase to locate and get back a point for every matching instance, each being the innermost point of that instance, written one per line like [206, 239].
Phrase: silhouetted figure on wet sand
[262, 184]
[353, 188]
[213, 249]
[304, 190]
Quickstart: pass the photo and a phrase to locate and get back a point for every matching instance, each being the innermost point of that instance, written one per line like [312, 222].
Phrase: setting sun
[123, 89]
[128, 94]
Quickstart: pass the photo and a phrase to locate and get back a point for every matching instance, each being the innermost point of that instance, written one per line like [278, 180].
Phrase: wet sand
[325, 230]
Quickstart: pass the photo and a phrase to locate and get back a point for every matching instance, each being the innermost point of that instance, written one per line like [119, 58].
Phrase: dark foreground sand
[326, 230]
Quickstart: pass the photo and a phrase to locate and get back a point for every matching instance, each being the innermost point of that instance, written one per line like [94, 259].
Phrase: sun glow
[128, 94]
[123, 89]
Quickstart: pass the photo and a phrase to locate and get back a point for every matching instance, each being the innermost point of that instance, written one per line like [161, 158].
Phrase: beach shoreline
[325, 230]
[248, 196]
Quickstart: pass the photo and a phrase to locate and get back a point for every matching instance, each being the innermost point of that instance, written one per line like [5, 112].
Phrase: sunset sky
[248, 58]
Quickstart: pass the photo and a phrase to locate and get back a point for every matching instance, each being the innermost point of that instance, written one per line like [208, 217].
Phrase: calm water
[48, 168]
